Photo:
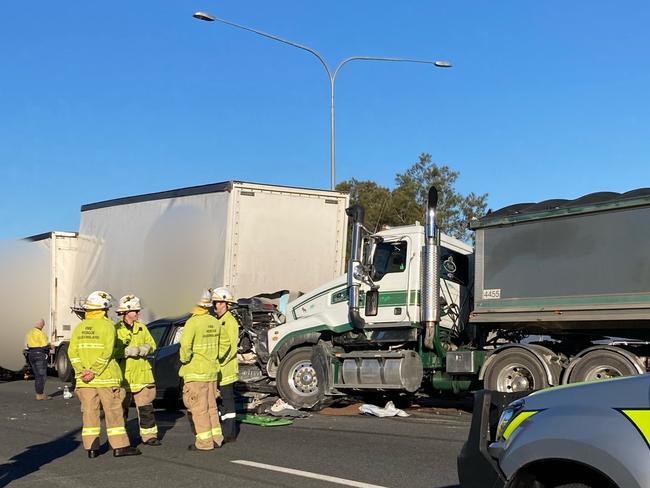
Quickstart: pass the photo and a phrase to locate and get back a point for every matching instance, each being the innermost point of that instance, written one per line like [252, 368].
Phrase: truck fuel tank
[382, 370]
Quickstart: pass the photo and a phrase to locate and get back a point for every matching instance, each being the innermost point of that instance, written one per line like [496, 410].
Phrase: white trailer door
[284, 240]
[63, 261]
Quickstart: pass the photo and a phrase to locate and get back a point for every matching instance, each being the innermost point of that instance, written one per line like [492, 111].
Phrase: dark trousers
[38, 362]
[227, 411]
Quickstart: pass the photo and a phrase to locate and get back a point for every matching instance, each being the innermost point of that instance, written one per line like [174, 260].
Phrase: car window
[158, 332]
[178, 333]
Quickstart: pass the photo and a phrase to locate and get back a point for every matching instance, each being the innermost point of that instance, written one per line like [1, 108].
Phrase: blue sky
[106, 99]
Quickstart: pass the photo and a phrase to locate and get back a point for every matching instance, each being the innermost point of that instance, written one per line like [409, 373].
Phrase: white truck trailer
[168, 246]
[61, 248]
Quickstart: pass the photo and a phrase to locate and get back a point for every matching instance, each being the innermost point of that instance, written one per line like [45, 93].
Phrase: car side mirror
[372, 303]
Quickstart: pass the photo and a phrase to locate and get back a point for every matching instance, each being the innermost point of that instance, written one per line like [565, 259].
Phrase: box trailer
[253, 238]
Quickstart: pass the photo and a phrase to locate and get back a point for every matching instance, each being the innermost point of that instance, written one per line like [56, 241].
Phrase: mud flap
[320, 360]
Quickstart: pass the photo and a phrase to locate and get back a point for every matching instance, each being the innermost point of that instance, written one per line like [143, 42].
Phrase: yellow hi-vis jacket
[36, 338]
[91, 348]
[202, 345]
[229, 372]
[137, 371]
[199, 310]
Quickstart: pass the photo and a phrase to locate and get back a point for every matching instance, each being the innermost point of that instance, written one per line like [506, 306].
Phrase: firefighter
[204, 304]
[98, 377]
[202, 345]
[134, 343]
[38, 349]
[229, 367]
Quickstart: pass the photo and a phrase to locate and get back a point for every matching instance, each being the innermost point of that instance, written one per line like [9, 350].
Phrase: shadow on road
[37, 456]
[165, 420]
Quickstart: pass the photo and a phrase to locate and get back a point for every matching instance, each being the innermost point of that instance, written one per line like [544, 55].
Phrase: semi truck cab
[333, 343]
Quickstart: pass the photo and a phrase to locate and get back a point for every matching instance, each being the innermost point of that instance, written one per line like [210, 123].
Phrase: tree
[375, 199]
[406, 204]
[455, 211]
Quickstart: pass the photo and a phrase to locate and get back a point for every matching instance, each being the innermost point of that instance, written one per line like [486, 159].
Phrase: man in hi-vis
[38, 349]
[202, 345]
[229, 370]
[99, 377]
[134, 343]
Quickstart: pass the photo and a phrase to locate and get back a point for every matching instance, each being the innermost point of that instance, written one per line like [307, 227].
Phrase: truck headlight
[511, 418]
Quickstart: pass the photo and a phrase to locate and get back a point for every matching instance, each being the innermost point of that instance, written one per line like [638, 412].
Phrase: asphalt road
[40, 446]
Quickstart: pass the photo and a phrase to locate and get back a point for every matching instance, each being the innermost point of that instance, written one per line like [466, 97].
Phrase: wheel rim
[302, 378]
[60, 363]
[515, 377]
[603, 372]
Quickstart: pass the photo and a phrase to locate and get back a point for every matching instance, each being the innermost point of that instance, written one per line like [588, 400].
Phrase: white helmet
[206, 298]
[98, 300]
[222, 295]
[128, 303]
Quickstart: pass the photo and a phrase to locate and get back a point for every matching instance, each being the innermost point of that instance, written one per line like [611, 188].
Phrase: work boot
[152, 442]
[93, 453]
[126, 451]
[42, 396]
[193, 448]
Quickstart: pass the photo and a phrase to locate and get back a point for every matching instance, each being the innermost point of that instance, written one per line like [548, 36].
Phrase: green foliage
[406, 204]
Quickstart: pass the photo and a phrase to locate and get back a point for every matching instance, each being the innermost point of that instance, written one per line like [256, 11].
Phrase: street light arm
[277, 38]
[438, 64]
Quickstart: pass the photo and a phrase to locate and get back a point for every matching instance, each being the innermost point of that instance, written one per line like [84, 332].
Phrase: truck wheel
[515, 370]
[601, 365]
[296, 379]
[63, 367]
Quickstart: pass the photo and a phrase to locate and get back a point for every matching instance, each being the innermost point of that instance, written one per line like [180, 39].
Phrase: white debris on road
[388, 411]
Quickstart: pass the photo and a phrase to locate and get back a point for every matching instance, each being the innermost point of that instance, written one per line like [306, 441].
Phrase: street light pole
[330, 74]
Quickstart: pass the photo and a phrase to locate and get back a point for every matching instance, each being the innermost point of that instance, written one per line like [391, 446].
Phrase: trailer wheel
[63, 366]
[297, 380]
[601, 364]
[515, 370]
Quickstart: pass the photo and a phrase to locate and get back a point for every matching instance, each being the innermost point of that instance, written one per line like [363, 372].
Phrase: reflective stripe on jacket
[91, 348]
[229, 372]
[136, 371]
[202, 345]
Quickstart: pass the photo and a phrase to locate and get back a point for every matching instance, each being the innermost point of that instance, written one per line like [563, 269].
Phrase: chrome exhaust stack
[357, 214]
[430, 272]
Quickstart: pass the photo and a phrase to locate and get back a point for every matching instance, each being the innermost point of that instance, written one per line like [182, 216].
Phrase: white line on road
[307, 474]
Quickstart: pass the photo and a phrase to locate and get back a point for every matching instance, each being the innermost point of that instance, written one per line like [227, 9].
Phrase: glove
[144, 349]
[132, 352]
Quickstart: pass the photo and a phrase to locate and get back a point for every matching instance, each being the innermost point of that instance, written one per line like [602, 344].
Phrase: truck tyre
[62, 362]
[296, 379]
[601, 364]
[515, 370]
